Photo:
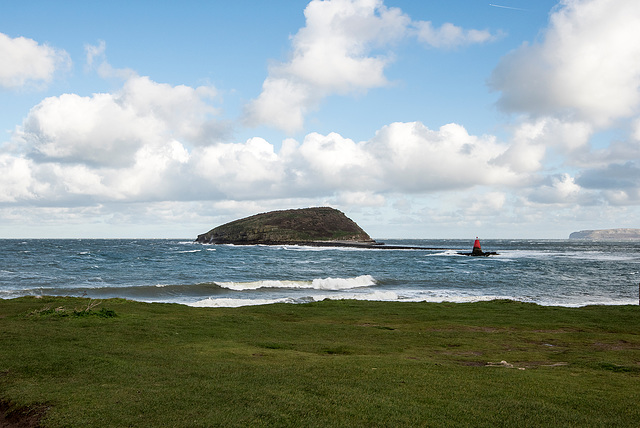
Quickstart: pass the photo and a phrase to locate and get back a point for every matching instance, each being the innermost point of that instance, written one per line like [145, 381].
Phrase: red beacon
[477, 250]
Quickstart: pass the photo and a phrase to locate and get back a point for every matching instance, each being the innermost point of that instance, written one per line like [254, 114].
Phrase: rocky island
[607, 235]
[322, 226]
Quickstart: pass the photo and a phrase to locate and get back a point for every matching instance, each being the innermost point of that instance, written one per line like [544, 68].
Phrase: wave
[315, 284]
[446, 253]
[96, 288]
[159, 292]
[224, 302]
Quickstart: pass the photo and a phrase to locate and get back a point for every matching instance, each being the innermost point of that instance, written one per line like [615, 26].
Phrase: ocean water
[547, 272]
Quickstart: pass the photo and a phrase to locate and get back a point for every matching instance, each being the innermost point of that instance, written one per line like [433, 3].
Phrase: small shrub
[89, 310]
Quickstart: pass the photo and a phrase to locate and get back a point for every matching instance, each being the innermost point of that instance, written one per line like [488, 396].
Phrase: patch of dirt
[23, 417]
[468, 328]
[473, 363]
[522, 365]
[620, 345]
[558, 330]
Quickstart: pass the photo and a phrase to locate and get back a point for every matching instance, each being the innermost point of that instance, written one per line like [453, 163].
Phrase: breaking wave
[316, 284]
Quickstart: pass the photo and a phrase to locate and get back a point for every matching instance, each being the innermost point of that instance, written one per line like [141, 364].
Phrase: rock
[607, 235]
[298, 226]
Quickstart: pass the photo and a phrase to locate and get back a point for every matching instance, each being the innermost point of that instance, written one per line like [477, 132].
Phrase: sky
[430, 119]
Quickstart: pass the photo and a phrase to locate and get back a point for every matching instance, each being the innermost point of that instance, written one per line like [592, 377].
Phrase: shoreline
[330, 244]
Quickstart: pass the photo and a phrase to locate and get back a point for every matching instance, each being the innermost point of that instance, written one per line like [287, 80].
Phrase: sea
[569, 273]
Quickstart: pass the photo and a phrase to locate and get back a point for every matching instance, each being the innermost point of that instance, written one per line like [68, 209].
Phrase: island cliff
[316, 226]
[607, 234]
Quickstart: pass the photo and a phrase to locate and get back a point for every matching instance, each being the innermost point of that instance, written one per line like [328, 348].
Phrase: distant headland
[607, 235]
[320, 226]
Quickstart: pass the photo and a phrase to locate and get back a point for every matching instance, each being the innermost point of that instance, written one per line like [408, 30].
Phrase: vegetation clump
[88, 310]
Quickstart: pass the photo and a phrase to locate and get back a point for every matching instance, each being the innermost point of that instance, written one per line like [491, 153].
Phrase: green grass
[333, 363]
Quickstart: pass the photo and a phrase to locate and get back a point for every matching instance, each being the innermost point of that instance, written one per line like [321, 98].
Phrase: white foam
[236, 303]
[387, 296]
[322, 248]
[316, 284]
[445, 253]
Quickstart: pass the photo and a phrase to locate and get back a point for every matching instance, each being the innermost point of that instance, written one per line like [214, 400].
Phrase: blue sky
[456, 119]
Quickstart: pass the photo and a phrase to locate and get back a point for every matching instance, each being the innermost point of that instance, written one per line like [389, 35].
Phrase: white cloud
[586, 68]
[240, 171]
[330, 55]
[560, 189]
[108, 129]
[283, 103]
[533, 139]
[450, 36]
[96, 162]
[24, 62]
[16, 180]
[131, 145]
[576, 87]
[95, 130]
[341, 51]
[414, 158]
[331, 51]
[336, 162]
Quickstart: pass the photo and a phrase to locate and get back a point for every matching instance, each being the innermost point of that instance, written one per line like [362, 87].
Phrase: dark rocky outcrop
[321, 225]
[607, 235]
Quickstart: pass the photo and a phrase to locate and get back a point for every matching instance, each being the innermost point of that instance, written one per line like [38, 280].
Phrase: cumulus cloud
[130, 145]
[108, 129]
[140, 160]
[330, 55]
[402, 157]
[341, 51]
[25, 61]
[532, 140]
[240, 170]
[574, 88]
[415, 158]
[585, 68]
[337, 162]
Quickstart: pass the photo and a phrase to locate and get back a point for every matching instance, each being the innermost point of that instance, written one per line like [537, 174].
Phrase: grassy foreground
[78, 363]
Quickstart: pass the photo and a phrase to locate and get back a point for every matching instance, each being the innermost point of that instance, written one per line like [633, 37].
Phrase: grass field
[77, 363]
